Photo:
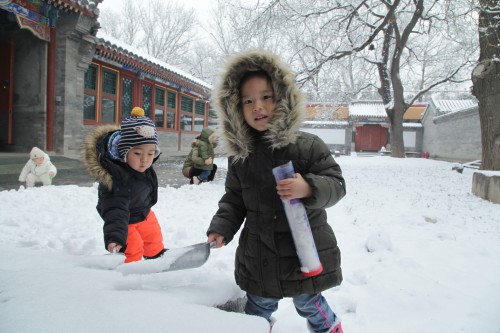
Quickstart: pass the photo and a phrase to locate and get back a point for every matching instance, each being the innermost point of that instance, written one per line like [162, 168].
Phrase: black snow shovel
[188, 257]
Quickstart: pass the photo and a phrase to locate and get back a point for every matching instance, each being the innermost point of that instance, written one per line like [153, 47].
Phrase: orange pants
[144, 239]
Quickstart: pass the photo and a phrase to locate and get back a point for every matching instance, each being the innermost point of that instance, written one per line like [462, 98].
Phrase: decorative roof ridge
[86, 7]
[131, 52]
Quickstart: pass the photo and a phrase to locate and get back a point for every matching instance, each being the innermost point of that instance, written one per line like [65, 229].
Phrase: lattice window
[186, 104]
[159, 107]
[90, 94]
[91, 78]
[146, 99]
[109, 82]
[127, 95]
[89, 107]
[172, 100]
[108, 96]
[172, 109]
[160, 96]
[200, 108]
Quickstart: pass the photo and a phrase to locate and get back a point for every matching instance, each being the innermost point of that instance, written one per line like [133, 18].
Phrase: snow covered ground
[420, 253]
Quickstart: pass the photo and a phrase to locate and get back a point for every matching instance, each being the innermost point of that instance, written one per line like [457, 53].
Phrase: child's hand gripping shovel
[173, 260]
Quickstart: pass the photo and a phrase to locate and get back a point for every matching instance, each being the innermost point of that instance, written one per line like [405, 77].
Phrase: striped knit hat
[136, 130]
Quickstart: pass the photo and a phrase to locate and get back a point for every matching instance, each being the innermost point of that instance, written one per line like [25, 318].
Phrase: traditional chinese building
[330, 122]
[59, 80]
[371, 125]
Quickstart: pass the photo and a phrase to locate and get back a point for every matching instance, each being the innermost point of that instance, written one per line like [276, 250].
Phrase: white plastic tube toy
[299, 225]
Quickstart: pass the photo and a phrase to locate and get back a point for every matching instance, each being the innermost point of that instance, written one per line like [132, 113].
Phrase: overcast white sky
[201, 6]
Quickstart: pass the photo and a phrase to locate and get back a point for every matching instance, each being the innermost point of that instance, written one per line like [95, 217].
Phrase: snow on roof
[447, 106]
[367, 109]
[104, 38]
[325, 122]
[412, 125]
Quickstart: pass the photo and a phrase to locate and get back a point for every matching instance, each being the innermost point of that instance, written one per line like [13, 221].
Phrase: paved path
[71, 171]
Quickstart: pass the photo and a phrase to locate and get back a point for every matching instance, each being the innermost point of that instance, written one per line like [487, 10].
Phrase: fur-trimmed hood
[91, 154]
[235, 134]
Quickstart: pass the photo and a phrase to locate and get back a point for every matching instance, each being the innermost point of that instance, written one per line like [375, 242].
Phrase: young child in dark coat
[122, 161]
[260, 110]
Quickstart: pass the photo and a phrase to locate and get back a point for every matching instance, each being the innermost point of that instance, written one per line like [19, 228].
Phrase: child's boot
[158, 255]
[272, 321]
[336, 327]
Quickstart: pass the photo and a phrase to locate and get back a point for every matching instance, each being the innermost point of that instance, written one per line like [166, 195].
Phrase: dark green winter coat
[266, 261]
[192, 158]
[205, 149]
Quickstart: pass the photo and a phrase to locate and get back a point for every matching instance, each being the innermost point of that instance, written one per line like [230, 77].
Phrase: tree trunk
[486, 79]
[397, 141]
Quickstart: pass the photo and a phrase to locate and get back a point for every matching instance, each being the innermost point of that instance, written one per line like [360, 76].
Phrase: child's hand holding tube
[293, 188]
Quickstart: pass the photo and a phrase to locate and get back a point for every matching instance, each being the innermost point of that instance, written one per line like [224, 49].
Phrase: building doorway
[6, 90]
[370, 138]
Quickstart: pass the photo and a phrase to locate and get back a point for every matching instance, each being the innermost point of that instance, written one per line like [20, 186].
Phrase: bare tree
[486, 78]
[130, 31]
[168, 30]
[389, 34]
[232, 28]
[202, 63]
[110, 24]
[162, 29]
[220, 28]
[401, 25]
[235, 27]
[122, 22]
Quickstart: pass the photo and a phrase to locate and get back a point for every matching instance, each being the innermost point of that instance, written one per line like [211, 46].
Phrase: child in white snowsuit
[38, 169]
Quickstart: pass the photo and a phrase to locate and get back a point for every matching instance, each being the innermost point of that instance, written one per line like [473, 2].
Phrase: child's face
[38, 160]
[141, 157]
[257, 102]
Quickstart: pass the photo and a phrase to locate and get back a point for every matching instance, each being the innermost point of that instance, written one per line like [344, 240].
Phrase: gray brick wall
[74, 53]
[454, 137]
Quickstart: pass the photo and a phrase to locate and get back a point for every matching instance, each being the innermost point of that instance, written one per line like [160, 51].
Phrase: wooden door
[370, 138]
[6, 89]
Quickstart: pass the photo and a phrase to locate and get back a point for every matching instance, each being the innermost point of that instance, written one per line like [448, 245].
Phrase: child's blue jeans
[204, 175]
[313, 307]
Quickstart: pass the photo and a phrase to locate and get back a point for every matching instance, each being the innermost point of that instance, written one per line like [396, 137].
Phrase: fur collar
[91, 155]
[290, 110]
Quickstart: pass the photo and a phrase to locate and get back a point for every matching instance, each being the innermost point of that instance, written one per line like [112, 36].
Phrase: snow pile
[419, 254]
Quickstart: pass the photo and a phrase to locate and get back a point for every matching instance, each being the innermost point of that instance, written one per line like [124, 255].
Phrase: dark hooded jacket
[125, 196]
[266, 262]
